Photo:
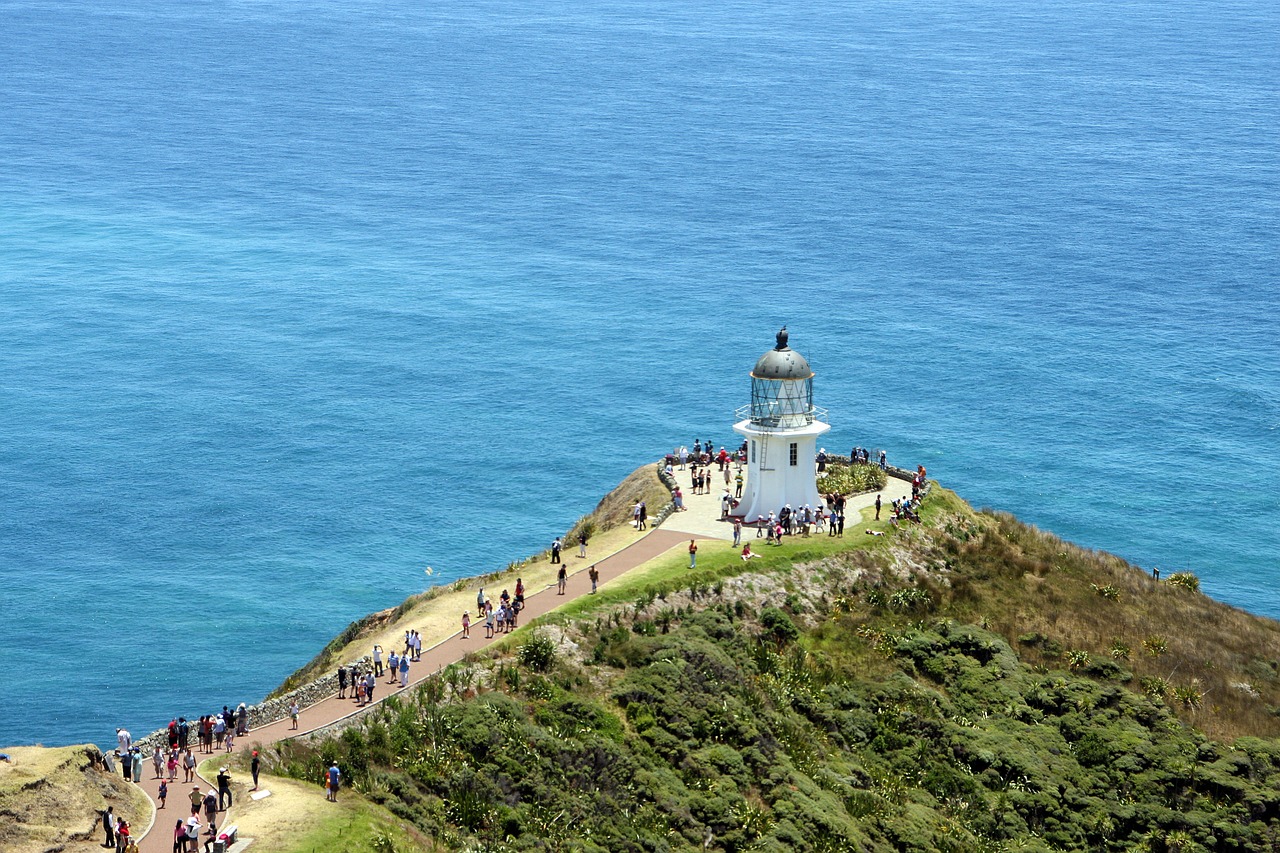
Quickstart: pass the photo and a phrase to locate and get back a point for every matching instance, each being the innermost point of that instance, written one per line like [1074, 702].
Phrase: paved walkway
[703, 515]
[701, 520]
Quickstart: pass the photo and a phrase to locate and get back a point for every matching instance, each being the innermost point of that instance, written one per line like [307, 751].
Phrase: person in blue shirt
[335, 778]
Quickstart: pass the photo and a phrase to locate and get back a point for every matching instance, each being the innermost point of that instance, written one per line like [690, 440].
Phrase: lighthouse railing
[789, 419]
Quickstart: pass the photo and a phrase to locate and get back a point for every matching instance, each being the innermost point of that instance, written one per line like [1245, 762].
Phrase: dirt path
[159, 839]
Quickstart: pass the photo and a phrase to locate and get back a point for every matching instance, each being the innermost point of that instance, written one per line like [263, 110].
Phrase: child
[466, 625]
[231, 737]
[293, 712]
[163, 792]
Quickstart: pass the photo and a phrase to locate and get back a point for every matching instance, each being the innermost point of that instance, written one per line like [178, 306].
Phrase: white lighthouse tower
[781, 427]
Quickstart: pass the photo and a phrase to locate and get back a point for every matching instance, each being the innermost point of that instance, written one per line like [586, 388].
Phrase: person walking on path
[594, 574]
[466, 626]
[644, 515]
[254, 767]
[404, 671]
[556, 546]
[126, 764]
[342, 682]
[188, 766]
[562, 578]
[137, 764]
[582, 545]
[162, 793]
[293, 714]
[369, 683]
[157, 761]
[488, 620]
[393, 666]
[693, 553]
[196, 799]
[377, 660]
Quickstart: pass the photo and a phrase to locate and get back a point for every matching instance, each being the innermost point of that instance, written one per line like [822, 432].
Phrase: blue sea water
[300, 298]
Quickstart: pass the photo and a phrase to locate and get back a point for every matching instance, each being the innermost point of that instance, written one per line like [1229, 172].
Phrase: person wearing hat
[224, 789]
[211, 806]
[196, 799]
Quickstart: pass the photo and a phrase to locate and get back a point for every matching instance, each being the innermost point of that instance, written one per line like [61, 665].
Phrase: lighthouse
[781, 427]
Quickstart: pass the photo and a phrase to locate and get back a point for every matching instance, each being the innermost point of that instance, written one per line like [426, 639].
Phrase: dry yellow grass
[52, 799]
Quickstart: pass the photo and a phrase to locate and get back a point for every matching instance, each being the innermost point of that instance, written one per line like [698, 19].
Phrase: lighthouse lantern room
[781, 427]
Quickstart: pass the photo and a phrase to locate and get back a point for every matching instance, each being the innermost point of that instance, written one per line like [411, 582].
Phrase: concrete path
[702, 515]
[159, 838]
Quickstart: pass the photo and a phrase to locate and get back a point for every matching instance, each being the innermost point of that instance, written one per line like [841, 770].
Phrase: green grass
[355, 826]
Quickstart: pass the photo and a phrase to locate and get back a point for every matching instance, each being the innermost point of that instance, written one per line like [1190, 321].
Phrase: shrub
[851, 479]
[778, 626]
[1155, 645]
[1186, 580]
[537, 653]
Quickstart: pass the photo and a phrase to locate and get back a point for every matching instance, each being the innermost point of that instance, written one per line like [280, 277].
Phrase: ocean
[301, 298]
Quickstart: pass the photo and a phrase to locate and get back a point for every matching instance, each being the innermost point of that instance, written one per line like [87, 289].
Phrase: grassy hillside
[966, 684]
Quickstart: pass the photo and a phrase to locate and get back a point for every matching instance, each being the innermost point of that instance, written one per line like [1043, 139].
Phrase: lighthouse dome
[782, 362]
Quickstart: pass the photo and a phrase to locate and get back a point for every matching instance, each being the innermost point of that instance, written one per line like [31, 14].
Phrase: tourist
[188, 767]
[342, 682]
[737, 532]
[393, 666]
[488, 620]
[747, 553]
[369, 683]
[171, 764]
[193, 833]
[678, 497]
[242, 720]
[644, 515]
[123, 740]
[254, 766]
[562, 579]
[737, 485]
[582, 545]
[417, 646]
[404, 672]
[520, 589]
[635, 516]
[693, 553]
[556, 546]
[109, 827]
[377, 660]
[231, 738]
[126, 764]
[137, 764]
[162, 793]
[466, 625]
[224, 789]
[219, 730]
[157, 761]
[594, 574]
[293, 714]
[211, 806]
[335, 779]
[179, 837]
[196, 798]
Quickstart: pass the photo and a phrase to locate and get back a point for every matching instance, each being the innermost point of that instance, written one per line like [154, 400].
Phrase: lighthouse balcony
[777, 415]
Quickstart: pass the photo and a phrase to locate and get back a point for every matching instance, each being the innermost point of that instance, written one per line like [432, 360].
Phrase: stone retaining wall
[264, 712]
